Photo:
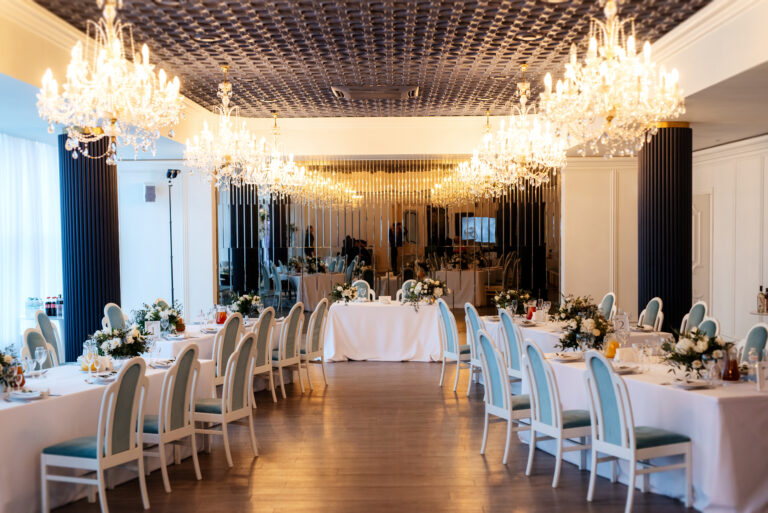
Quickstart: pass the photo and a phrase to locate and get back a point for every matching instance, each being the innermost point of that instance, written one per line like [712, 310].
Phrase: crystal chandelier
[224, 156]
[616, 96]
[105, 95]
[277, 172]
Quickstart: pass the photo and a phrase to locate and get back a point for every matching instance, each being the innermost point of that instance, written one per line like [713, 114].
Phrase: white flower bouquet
[247, 304]
[503, 300]
[160, 311]
[344, 292]
[126, 343]
[688, 351]
[426, 290]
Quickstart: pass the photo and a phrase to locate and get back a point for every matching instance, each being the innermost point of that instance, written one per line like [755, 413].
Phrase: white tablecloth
[312, 288]
[375, 331]
[468, 286]
[29, 427]
[171, 347]
[387, 285]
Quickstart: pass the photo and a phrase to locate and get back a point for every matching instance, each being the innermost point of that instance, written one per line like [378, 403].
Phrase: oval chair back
[113, 317]
[238, 385]
[122, 406]
[710, 327]
[364, 290]
[512, 344]
[50, 333]
[609, 406]
[474, 325]
[607, 307]
[162, 303]
[652, 315]
[225, 343]
[496, 383]
[756, 338]
[178, 391]
[34, 339]
[545, 397]
[403, 291]
[332, 266]
[289, 335]
[448, 331]
[349, 271]
[263, 331]
[314, 344]
[694, 317]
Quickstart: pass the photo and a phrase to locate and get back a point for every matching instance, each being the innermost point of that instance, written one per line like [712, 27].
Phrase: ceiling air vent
[375, 92]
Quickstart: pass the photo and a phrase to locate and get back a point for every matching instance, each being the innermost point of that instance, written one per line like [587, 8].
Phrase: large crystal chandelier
[226, 155]
[616, 96]
[277, 172]
[105, 95]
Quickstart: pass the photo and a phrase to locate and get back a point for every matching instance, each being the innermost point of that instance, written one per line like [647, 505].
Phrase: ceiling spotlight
[556, 1]
[530, 36]
[207, 38]
[169, 3]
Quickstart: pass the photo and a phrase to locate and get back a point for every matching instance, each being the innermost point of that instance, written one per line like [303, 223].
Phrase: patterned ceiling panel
[285, 55]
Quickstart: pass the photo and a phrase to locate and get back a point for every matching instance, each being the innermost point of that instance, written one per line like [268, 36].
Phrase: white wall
[599, 230]
[735, 176]
[144, 237]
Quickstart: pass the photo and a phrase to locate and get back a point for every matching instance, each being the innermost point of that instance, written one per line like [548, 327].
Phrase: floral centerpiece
[360, 270]
[687, 352]
[577, 307]
[428, 290]
[457, 261]
[503, 300]
[295, 264]
[315, 265]
[125, 343]
[160, 311]
[247, 305]
[584, 327]
[344, 292]
[7, 372]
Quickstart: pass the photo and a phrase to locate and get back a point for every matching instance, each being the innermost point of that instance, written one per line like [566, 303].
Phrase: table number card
[152, 328]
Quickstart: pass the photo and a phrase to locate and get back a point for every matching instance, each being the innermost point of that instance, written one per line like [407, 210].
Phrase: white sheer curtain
[30, 230]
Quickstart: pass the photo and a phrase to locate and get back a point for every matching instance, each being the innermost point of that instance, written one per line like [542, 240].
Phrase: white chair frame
[105, 458]
[317, 357]
[555, 430]
[741, 344]
[513, 374]
[684, 322]
[659, 318]
[462, 360]
[289, 360]
[48, 347]
[105, 320]
[267, 367]
[219, 375]
[628, 449]
[475, 367]
[400, 292]
[371, 293]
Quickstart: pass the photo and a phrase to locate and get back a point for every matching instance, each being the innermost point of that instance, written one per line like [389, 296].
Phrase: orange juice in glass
[531, 311]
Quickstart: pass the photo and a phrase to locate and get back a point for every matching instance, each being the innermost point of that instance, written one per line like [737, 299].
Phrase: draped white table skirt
[29, 427]
[376, 331]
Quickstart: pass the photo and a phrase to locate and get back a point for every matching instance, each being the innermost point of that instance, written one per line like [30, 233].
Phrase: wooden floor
[381, 437]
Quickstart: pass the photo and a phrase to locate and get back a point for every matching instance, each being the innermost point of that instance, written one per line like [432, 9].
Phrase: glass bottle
[731, 368]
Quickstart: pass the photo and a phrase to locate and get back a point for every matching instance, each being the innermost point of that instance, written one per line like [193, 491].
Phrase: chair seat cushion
[151, 424]
[646, 436]
[464, 349]
[83, 447]
[576, 418]
[520, 402]
[275, 354]
[303, 351]
[208, 405]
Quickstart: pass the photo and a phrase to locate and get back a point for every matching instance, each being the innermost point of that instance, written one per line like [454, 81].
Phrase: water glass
[41, 354]
[513, 306]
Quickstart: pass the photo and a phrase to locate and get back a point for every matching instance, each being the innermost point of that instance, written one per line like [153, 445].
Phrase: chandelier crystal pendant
[615, 98]
[226, 155]
[277, 172]
[105, 95]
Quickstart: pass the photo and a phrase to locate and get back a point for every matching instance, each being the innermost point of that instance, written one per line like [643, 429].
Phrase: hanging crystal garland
[105, 95]
[616, 96]
[226, 155]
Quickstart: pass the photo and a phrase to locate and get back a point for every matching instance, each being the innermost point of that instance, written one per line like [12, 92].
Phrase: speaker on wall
[150, 194]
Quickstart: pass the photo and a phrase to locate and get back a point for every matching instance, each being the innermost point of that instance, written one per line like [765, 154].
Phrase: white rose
[596, 332]
[339, 288]
[129, 339]
[438, 292]
[701, 346]
[105, 347]
[8, 359]
[697, 364]
[720, 342]
[496, 298]
[717, 354]
[684, 345]
[164, 315]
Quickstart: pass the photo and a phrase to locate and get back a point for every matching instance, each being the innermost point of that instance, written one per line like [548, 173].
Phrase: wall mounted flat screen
[479, 229]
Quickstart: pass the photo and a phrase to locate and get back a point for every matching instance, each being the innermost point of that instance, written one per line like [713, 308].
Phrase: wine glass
[18, 377]
[41, 354]
[97, 364]
[513, 305]
[151, 347]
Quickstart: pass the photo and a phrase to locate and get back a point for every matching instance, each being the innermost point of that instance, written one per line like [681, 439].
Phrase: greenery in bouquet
[577, 307]
[159, 311]
[688, 352]
[585, 332]
[125, 343]
[247, 305]
[503, 300]
[7, 372]
[344, 292]
[428, 290]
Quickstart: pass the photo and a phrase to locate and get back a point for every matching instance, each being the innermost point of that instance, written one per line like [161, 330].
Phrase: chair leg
[193, 442]
[442, 373]
[485, 434]
[301, 380]
[43, 486]
[92, 491]
[272, 385]
[614, 471]
[163, 467]
[558, 462]
[688, 478]
[282, 381]
[322, 363]
[103, 491]
[471, 375]
[309, 378]
[645, 484]
[225, 434]
[531, 453]
[456, 379]
[509, 440]
[254, 446]
[631, 486]
[592, 476]
[582, 454]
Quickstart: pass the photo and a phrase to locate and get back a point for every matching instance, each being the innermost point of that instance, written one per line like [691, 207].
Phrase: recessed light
[556, 1]
[169, 3]
[529, 36]
[207, 38]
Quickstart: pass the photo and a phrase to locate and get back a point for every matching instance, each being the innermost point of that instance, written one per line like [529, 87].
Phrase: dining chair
[277, 290]
[473, 324]
[162, 303]
[118, 439]
[407, 284]
[652, 315]
[224, 344]
[236, 400]
[364, 290]
[756, 338]
[50, 333]
[694, 317]
[710, 327]
[33, 339]
[498, 400]
[287, 354]
[263, 352]
[449, 340]
[607, 306]
[332, 266]
[349, 271]
[173, 421]
[492, 290]
[615, 435]
[114, 318]
[511, 346]
[314, 343]
[548, 416]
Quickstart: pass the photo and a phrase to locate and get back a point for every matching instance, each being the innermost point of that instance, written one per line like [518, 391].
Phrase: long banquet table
[728, 426]
[28, 427]
[384, 332]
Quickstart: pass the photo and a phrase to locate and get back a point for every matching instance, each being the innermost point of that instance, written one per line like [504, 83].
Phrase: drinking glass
[539, 304]
[97, 364]
[513, 305]
[40, 356]
[151, 347]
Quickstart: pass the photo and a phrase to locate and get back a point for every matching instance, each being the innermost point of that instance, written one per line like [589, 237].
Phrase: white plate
[209, 331]
[697, 384]
[567, 357]
[26, 395]
[625, 369]
[493, 318]
[101, 378]
[528, 324]
[162, 364]
[175, 337]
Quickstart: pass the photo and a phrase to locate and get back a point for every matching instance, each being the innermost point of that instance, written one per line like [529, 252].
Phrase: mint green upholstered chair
[173, 421]
[162, 303]
[404, 289]
[512, 346]
[263, 351]
[114, 318]
[547, 415]
[33, 339]
[449, 340]
[236, 400]
[694, 317]
[607, 306]
[652, 315]
[314, 344]
[474, 324]
[498, 400]
[710, 327]
[50, 333]
[756, 338]
[287, 355]
[615, 436]
[224, 345]
[364, 290]
[118, 438]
